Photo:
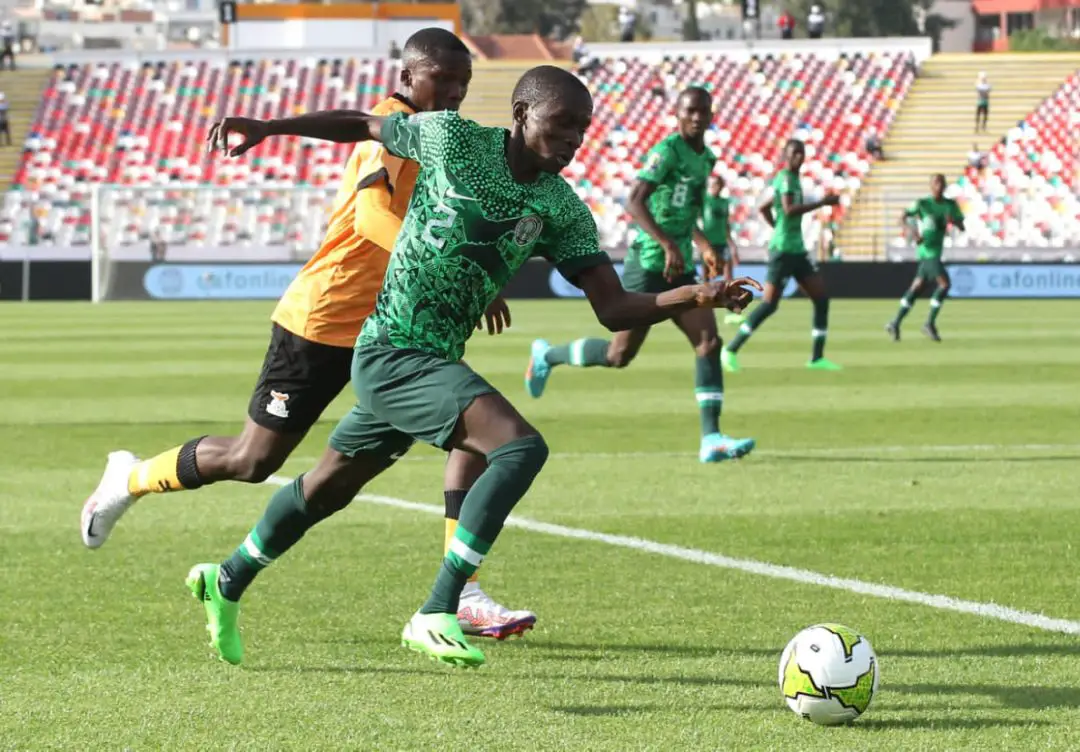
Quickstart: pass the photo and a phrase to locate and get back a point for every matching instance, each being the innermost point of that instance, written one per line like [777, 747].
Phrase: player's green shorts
[784, 266]
[930, 269]
[636, 279]
[404, 396]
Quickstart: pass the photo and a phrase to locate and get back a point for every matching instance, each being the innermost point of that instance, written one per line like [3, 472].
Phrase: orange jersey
[335, 291]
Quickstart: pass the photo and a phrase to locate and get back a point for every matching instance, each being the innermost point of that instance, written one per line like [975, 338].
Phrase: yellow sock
[156, 475]
[451, 527]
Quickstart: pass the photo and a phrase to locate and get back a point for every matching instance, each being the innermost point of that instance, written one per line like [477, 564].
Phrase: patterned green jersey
[787, 236]
[716, 220]
[934, 218]
[468, 229]
[680, 175]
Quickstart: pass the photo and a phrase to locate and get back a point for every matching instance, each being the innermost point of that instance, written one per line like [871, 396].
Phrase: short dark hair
[795, 143]
[547, 83]
[431, 43]
[695, 91]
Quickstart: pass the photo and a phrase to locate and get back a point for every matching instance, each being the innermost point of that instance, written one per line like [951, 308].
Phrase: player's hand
[711, 262]
[674, 266]
[917, 237]
[830, 199]
[497, 317]
[253, 132]
[734, 295]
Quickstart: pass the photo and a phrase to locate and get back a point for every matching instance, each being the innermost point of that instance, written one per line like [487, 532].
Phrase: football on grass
[829, 674]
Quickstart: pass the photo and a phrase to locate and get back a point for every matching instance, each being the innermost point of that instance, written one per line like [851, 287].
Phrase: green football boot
[221, 613]
[824, 364]
[439, 636]
[729, 360]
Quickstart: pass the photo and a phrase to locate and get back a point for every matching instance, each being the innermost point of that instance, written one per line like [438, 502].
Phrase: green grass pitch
[950, 469]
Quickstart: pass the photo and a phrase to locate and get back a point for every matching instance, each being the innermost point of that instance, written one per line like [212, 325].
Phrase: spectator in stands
[395, 51]
[873, 145]
[586, 62]
[627, 24]
[7, 44]
[815, 22]
[786, 24]
[5, 128]
[982, 106]
[977, 158]
[157, 245]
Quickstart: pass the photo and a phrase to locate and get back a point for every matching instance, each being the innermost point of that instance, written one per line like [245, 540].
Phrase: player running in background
[928, 219]
[788, 258]
[486, 201]
[316, 323]
[667, 202]
[716, 227]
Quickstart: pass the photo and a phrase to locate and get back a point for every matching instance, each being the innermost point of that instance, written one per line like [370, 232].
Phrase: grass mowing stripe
[869, 451]
[775, 571]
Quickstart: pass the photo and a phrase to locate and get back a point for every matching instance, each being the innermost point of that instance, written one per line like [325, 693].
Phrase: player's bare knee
[249, 464]
[620, 357]
[708, 347]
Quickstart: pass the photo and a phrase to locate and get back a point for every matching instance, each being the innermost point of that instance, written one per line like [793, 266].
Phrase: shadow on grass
[940, 724]
[605, 710]
[901, 460]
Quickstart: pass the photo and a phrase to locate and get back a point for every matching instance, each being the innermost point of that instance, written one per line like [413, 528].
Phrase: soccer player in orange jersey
[315, 326]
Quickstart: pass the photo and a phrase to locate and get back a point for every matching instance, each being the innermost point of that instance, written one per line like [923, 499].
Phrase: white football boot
[481, 616]
[109, 501]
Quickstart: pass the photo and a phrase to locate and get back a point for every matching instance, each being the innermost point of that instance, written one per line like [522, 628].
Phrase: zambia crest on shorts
[528, 230]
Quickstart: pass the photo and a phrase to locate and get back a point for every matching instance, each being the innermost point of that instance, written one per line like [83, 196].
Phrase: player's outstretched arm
[619, 310]
[339, 126]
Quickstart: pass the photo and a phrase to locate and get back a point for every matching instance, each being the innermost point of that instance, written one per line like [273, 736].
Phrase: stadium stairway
[493, 81]
[23, 89]
[935, 129]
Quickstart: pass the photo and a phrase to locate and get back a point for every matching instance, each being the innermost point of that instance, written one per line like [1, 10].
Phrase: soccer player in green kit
[929, 218]
[788, 258]
[667, 201]
[716, 227]
[486, 200]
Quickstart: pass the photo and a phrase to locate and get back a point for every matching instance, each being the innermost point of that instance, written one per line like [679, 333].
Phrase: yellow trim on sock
[448, 535]
[155, 475]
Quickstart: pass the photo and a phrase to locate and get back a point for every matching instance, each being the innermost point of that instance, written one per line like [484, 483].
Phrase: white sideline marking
[776, 571]
[868, 452]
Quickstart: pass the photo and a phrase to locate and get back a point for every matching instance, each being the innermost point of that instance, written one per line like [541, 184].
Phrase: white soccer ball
[828, 674]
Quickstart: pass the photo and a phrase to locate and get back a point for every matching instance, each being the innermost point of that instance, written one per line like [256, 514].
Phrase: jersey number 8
[679, 195]
[446, 221]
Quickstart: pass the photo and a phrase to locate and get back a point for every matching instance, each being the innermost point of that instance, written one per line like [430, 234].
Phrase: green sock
[284, 522]
[936, 301]
[762, 311]
[821, 328]
[709, 390]
[906, 303]
[584, 353]
[511, 470]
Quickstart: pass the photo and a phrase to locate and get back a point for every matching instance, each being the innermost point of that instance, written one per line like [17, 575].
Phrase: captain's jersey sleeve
[570, 240]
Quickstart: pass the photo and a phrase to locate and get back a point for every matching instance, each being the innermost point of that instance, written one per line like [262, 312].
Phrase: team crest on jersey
[528, 230]
[277, 405]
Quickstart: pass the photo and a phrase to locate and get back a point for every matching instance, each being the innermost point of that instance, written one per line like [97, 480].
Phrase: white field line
[863, 452]
[764, 569]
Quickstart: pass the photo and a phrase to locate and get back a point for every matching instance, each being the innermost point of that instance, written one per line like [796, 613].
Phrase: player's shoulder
[393, 104]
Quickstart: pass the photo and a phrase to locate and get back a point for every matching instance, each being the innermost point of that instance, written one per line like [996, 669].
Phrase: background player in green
[716, 227]
[929, 219]
[788, 258]
[486, 201]
[667, 202]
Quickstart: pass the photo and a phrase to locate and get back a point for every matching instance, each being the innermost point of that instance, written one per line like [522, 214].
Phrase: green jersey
[679, 174]
[787, 234]
[716, 220]
[934, 218]
[468, 229]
